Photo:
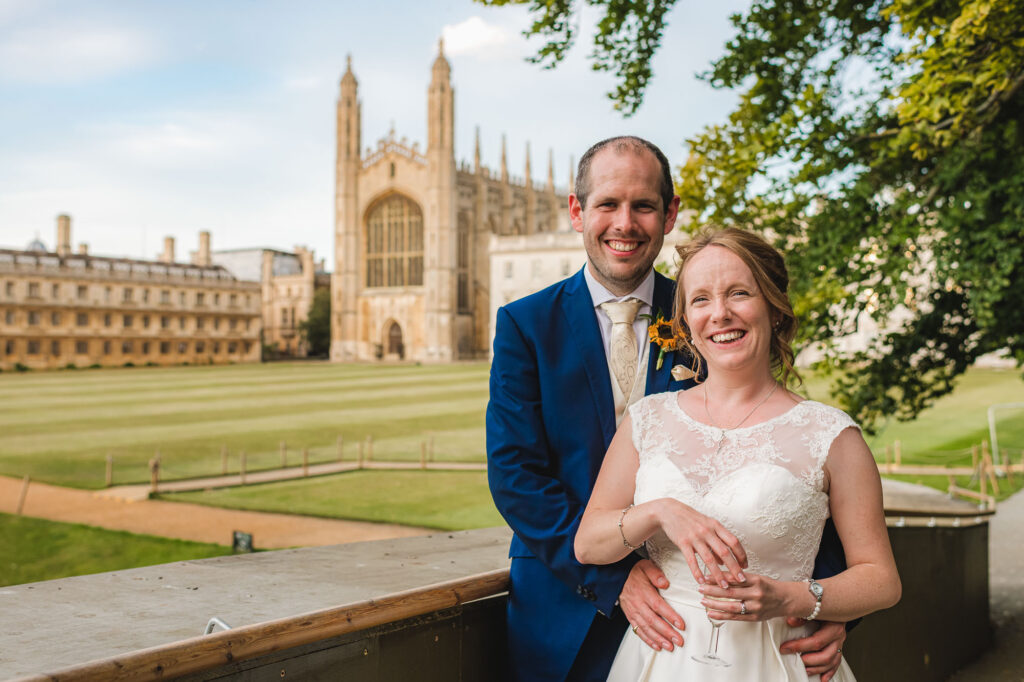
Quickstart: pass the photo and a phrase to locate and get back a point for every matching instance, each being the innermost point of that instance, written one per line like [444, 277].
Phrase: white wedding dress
[763, 483]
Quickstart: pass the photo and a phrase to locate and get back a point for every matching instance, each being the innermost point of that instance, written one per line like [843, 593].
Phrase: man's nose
[624, 217]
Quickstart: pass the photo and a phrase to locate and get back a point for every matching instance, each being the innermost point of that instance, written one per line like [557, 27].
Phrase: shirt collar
[599, 294]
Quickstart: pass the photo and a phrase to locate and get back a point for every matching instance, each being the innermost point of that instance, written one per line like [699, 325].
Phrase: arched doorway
[393, 346]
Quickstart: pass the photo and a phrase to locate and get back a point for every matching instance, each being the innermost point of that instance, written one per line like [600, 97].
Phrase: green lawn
[447, 500]
[943, 434]
[35, 550]
[58, 427]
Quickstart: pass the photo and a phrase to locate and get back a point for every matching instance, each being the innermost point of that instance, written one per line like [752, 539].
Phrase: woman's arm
[870, 582]
[600, 541]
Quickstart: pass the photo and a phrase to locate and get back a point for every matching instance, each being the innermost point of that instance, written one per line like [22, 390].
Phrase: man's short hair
[624, 143]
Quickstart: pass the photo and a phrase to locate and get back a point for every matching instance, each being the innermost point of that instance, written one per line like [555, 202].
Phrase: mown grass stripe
[219, 406]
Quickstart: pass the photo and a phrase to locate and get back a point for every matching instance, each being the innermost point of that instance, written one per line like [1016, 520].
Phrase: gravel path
[190, 521]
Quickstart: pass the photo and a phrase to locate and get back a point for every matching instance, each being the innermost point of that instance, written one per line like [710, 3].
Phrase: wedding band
[635, 628]
[743, 608]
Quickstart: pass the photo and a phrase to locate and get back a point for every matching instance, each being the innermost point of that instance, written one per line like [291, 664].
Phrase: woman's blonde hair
[769, 270]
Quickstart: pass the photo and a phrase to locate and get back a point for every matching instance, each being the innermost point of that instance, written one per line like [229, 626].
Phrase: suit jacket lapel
[658, 379]
[579, 313]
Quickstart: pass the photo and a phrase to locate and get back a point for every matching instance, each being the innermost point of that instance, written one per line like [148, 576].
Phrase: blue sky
[148, 118]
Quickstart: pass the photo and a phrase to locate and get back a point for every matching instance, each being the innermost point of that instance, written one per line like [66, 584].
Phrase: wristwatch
[815, 588]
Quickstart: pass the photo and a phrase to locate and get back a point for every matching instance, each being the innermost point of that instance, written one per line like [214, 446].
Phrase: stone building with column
[61, 308]
[413, 234]
[288, 281]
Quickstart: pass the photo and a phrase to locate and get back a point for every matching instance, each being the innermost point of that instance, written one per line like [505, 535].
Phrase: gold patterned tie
[622, 349]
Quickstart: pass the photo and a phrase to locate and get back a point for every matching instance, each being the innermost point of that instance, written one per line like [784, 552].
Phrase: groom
[555, 401]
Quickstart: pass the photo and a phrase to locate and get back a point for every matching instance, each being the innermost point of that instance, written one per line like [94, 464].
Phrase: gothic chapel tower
[345, 281]
[440, 224]
[412, 233]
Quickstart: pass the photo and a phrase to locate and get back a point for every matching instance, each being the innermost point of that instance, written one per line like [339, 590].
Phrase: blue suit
[550, 419]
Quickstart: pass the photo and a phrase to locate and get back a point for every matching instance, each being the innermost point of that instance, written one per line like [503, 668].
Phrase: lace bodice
[763, 482]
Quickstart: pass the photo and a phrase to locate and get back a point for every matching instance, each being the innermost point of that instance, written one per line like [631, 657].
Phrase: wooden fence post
[154, 473]
[305, 461]
[23, 495]
[341, 447]
[980, 469]
[423, 454]
[284, 454]
[110, 470]
[223, 460]
[241, 466]
[990, 468]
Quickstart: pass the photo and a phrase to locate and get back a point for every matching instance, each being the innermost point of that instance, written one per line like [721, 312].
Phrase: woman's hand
[757, 598]
[698, 535]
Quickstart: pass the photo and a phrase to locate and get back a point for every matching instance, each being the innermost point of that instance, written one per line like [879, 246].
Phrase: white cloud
[58, 54]
[168, 140]
[304, 82]
[475, 36]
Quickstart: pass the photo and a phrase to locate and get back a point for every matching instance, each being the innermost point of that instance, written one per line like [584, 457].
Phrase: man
[563, 373]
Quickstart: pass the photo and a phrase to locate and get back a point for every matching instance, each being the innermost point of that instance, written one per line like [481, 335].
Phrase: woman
[729, 484]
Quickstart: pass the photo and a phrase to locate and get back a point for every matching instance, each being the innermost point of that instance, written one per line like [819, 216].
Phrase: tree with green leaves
[881, 144]
[316, 328]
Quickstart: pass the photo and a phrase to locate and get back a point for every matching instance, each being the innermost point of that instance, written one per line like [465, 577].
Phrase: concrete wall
[941, 624]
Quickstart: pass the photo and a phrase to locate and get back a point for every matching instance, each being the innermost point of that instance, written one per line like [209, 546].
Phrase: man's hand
[821, 651]
[650, 615]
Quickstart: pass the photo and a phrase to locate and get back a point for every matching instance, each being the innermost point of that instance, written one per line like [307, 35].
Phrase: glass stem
[713, 642]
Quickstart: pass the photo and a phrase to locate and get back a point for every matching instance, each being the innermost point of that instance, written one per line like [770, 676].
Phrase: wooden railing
[207, 652]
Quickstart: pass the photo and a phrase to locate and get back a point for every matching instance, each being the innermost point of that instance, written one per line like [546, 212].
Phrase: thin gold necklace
[724, 431]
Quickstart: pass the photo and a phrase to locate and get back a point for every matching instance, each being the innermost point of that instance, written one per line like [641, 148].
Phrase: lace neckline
[709, 428]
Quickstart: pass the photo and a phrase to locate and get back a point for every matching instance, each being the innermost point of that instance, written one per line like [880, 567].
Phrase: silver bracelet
[622, 532]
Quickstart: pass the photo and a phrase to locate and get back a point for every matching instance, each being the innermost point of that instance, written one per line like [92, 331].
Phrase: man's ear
[670, 214]
[575, 213]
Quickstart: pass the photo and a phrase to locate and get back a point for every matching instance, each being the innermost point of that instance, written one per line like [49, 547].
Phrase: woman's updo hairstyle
[769, 270]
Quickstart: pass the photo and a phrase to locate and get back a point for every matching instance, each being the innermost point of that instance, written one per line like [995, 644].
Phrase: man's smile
[622, 246]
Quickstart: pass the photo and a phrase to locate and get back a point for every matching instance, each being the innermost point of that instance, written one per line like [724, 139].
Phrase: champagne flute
[711, 657]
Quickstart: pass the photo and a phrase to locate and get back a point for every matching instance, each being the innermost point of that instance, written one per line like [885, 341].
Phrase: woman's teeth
[727, 336]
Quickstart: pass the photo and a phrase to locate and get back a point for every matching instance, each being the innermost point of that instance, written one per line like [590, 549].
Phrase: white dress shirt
[599, 294]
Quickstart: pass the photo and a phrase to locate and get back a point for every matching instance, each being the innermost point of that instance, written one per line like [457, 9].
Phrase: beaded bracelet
[622, 532]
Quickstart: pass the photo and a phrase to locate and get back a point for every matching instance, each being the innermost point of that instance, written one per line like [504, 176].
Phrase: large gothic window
[394, 244]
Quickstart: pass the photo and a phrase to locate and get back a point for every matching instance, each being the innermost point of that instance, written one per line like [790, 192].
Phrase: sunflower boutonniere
[660, 332]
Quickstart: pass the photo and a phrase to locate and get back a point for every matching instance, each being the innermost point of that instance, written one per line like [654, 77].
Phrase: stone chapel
[413, 235]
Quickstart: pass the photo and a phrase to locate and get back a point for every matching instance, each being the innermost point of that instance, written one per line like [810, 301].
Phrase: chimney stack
[168, 254]
[203, 258]
[63, 235]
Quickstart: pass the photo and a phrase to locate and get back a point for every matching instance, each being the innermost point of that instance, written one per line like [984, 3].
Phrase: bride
[729, 485]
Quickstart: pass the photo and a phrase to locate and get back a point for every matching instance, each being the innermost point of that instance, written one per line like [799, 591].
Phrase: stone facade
[521, 266]
[288, 281]
[413, 235]
[61, 308]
